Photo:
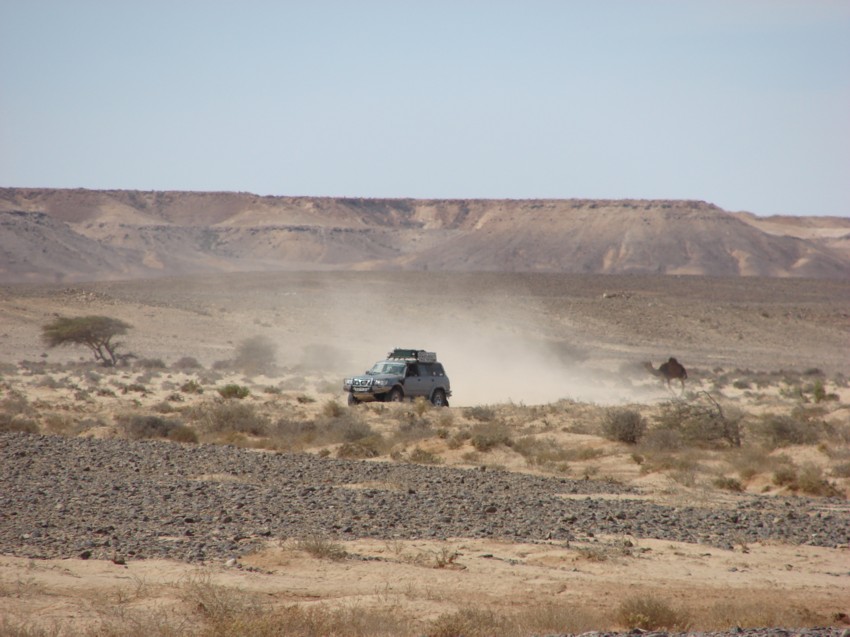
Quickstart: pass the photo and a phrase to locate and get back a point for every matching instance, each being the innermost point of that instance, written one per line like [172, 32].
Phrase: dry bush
[16, 414]
[67, 425]
[150, 363]
[651, 613]
[544, 453]
[186, 363]
[468, 622]
[482, 413]
[191, 387]
[780, 430]
[369, 447]
[624, 425]
[728, 484]
[811, 481]
[756, 610]
[421, 406]
[422, 456]
[322, 548]
[138, 427]
[234, 391]
[228, 417]
[700, 422]
[318, 620]
[487, 435]
[215, 603]
[332, 409]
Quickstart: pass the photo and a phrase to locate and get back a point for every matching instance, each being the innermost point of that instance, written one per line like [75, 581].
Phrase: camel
[670, 370]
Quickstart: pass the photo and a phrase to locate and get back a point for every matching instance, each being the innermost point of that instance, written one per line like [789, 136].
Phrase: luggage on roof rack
[413, 354]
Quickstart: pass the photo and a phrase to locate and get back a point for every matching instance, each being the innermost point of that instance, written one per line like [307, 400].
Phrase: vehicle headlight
[381, 382]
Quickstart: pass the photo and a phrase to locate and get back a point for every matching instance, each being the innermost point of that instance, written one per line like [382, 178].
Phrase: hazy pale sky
[743, 103]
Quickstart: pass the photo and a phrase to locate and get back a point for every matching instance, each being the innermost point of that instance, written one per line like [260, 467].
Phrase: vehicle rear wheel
[396, 395]
[438, 399]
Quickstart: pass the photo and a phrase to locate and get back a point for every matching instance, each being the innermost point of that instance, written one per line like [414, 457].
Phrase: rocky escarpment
[136, 234]
[119, 499]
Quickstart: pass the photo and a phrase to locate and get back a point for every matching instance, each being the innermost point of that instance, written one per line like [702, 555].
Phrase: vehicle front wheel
[396, 395]
[438, 399]
[352, 400]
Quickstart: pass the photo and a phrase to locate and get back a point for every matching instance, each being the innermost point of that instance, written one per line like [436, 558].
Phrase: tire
[352, 401]
[438, 398]
[396, 395]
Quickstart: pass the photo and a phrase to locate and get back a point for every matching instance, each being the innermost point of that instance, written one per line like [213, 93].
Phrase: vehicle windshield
[387, 368]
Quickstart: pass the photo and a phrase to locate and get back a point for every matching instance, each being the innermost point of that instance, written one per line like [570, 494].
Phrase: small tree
[95, 332]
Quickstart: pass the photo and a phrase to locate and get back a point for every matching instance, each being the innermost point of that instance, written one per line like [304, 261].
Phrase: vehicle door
[427, 379]
[414, 382]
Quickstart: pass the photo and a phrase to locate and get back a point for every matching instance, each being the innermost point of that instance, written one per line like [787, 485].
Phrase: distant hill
[74, 235]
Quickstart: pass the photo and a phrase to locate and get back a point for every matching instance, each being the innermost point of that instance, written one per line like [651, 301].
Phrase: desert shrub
[811, 481]
[139, 427]
[729, 484]
[134, 387]
[256, 355]
[662, 440]
[232, 390]
[230, 417]
[467, 622]
[150, 363]
[487, 435]
[651, 613]
[700, 423]
[624, 425]
[422, 456]
[841, 470]
[542, 452]
[421, 405]
[16, 414]
[322, 548]
[346, 429]
[367, 447]
[186, 363]
[780, 430]
[18, 422]
[481, 413]
[191, 387]
[332, 409]
[785, 475]
[303, 430]
[163, 407]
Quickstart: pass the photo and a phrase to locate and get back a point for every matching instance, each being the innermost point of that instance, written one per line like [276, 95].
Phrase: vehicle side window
[437, 370]
[412, 370]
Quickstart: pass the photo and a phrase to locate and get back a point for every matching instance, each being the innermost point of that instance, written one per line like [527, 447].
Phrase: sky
[741, 103]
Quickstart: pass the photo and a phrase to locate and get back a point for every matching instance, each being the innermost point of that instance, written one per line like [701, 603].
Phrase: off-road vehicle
[404, 373]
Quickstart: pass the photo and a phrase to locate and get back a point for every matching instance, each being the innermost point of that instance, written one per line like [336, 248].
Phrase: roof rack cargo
[413, 354]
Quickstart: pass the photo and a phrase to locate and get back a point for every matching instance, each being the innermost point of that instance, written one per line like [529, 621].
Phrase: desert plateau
[216, 482]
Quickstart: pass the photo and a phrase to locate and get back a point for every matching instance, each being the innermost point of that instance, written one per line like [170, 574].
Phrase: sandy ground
[768, 583]
[521, 346]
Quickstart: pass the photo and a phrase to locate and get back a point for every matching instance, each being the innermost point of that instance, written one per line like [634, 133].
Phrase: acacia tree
[95, 332]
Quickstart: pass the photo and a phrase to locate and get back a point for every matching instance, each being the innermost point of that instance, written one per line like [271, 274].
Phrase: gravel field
[119, 499]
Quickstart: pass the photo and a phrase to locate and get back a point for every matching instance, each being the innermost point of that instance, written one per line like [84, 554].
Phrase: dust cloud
[495, 349]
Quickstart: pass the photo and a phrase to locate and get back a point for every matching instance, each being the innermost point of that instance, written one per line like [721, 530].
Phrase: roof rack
[419, 355]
